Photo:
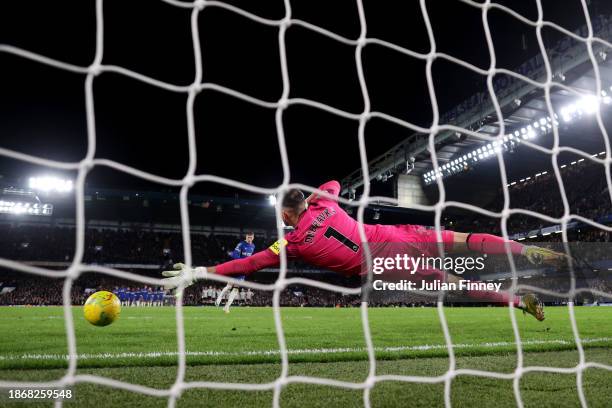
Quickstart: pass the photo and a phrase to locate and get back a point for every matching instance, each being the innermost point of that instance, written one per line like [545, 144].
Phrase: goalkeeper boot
[538, 255]
[532, 305]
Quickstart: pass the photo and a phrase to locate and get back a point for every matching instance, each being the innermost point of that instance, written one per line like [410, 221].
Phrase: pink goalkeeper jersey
[327, 237]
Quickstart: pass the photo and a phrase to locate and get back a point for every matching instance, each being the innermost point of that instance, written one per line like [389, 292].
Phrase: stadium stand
[147, 251]
[587, 194]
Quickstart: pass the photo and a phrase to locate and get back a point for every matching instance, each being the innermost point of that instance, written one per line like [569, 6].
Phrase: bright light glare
[272, 199]
[589, 103]
[17, 207]
[50, 184]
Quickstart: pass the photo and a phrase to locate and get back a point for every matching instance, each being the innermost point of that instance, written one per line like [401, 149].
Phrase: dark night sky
[42, 110]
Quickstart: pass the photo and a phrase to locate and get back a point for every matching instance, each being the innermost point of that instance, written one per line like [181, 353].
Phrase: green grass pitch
[141, 348]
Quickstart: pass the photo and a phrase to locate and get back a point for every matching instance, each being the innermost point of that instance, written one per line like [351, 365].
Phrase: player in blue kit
[130, 297]
[122, 295]
[159, 297]
[148, 297]
[244, 249]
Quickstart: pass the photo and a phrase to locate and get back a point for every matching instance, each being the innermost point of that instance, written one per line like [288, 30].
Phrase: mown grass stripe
[312, 351]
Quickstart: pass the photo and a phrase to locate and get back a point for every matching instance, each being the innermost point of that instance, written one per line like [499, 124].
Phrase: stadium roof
[523, 104]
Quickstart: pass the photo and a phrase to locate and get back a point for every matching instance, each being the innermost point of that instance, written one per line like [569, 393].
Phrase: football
[102, 308]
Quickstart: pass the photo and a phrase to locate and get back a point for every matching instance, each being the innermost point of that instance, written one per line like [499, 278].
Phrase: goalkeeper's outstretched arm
[245, 266]
[181, 275]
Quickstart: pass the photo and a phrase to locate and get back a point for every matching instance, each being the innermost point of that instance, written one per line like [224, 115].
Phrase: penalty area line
[314, 351]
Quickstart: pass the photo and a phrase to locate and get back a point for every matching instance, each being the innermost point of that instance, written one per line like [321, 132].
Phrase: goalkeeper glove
[182, 277]
[538, 255]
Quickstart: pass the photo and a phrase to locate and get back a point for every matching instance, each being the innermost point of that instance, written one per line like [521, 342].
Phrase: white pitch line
[156, 354]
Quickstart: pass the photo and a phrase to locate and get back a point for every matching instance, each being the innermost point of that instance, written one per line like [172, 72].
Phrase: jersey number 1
[333, 233]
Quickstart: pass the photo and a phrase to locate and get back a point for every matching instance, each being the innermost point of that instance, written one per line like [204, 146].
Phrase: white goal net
[199, 85]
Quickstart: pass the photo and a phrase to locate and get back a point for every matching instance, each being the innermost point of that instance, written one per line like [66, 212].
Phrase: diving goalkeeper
[326, 236]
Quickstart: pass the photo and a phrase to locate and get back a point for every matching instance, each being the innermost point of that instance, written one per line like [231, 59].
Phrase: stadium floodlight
[272, 200]
[50, 184]
[603, 55]
[589, 103]
[19, 208]
[566, 116]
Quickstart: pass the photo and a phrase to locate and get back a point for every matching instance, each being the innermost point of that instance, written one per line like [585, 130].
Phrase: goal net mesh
[84, 166]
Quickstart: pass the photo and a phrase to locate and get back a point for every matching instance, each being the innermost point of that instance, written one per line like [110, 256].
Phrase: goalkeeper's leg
[528, 303]
[222, 294]
[230, 300]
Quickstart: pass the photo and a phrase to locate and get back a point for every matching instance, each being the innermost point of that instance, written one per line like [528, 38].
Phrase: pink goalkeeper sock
[491, 244]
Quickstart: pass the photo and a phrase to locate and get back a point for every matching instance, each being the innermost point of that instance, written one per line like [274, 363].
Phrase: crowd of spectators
[57, 244]
[43, 292]
[36, 291]
[20, 289]
[585, 187]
